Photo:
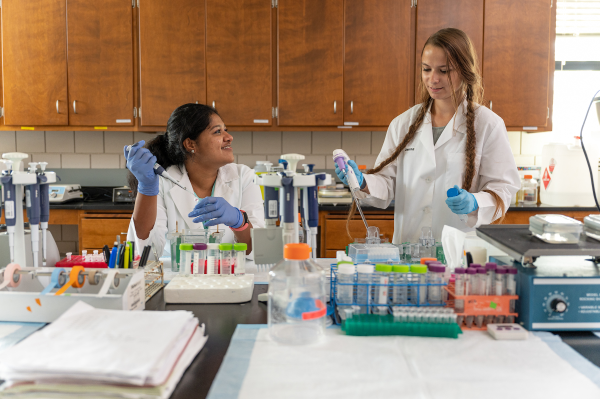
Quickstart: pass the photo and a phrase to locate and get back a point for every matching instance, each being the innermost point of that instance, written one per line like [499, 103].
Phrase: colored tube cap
[491, 266]
[452, 192]
[460, 270]
[422, 269]
[474, 265]
[425, 260]
[200, 247]
[346, 269]
[511, 270]
[383, 268]
[240, 246]
[500, 270]
[481, 270]
[299, 251]
[345, 262]
[365, 268]
[400, 268]
[212, 246]
[472, 270]
[226, 246]
[436, 268]
[186, 247]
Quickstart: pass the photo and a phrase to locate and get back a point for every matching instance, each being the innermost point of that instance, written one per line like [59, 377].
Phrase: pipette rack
[210, 288]
[26, 303]
[371, 325]
[481, 305]
[414, 291]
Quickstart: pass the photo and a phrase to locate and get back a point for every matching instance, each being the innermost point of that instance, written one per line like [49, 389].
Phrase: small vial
[415, 253]
[381, 279]
[84, 255]
[418, 290]
[435, 276]
[212, 259]
[226, 258]
[511, 289]
[364, 287]
[459, 290]
[199, 258]
[490, 269]
[345, 288]
[187, 252]
[95, 256]
[69, 254]
[240, 258]
[500, 281]
[400, 291]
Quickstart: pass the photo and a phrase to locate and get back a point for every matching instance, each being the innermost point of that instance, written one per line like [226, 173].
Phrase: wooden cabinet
[172, 65]
[516, 73]
[100, 62]
[310, 52]
[238, 61]
[97, 229]
[376, 61]
[34, 62]
[433, 15]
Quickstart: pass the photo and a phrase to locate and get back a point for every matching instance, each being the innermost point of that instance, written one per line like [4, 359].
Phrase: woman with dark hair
[196, 150]
[446, 141]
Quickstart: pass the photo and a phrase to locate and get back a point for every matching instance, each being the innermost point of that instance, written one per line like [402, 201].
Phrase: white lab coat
[235, 183]
[419, 178]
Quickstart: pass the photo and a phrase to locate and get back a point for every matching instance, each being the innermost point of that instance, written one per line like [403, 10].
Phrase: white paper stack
[99, 353]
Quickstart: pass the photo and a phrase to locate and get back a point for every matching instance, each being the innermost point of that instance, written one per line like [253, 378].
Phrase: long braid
[412, 131]
[471, 142]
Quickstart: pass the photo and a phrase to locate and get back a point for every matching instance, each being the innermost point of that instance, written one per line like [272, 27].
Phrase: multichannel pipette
[341, 159]
[159, 170]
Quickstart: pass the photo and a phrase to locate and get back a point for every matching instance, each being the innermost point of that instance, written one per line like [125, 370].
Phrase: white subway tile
[60, 142]
[318, 160]
[122, 161]
[8, 142]
[377, 139]
[115, 141]
[75, 161]
[56, 231]
[70, 232]
[266, 143]
[297, 142]
[105, 161]
[28, 141]
[514, 138]
[242, 142]
[274, 159]
[250, 160]
[52, 159]
[147, 137]
[89, 142]
[356, 142]
[325, 142]
[368, 160]
[525, 160]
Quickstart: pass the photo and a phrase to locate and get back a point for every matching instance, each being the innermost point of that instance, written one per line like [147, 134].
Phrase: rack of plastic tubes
[154, 278]
[391, 300]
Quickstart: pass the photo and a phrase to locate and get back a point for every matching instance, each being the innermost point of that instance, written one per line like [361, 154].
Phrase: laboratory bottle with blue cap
[297, 306]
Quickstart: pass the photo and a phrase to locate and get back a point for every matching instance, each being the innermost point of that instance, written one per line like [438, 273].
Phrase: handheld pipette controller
[341, 159]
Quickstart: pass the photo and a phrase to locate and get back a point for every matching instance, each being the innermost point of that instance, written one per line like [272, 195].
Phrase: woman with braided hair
[447, 140]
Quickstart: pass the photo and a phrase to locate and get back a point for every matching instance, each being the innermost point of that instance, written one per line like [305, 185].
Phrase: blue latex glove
[215, 210]
[140, 162]
[342, 175]
[463, 203]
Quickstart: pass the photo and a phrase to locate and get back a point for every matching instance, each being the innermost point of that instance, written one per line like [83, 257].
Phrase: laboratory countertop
[221, 320]
[94, 206]
[513, 208]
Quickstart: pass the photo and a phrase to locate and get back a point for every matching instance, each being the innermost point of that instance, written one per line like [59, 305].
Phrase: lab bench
[332, 222]
[221, 321]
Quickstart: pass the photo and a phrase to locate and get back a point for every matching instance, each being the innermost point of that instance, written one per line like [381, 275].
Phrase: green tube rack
[365, 325]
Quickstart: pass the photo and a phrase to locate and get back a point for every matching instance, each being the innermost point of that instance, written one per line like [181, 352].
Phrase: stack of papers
[99, 353]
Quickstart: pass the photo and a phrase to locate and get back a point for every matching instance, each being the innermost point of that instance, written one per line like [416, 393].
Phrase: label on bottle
[273, 208]
[383, 290]
[9, 209]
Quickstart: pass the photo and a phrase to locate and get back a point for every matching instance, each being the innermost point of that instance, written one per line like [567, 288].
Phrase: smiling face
[213, 145]
[434, 72]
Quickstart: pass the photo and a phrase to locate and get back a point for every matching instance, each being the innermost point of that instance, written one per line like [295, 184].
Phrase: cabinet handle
[196, 102]
[57, 107]
[490, 105]
[74, 106]
[335, 107]
[351, 107]
[214, 105]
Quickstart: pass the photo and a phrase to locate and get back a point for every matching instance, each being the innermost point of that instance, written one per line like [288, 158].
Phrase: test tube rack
[154, 278]
[415, 290]
[481, 305]
[31, 294]
[210, 288]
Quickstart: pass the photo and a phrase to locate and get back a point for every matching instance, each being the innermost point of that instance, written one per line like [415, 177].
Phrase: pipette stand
[20, 180]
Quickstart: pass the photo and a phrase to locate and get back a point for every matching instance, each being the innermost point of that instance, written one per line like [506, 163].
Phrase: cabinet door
[310, 76]
[34, 62]
[239, 77]
[95, 231]
[171, 57]
[376, 61]
[100, 50]
[433, 15]
[515, 64]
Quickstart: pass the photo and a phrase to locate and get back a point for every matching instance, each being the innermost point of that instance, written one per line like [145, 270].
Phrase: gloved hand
[215, 210]
[463, 203]
[358, 173]
[140, 162]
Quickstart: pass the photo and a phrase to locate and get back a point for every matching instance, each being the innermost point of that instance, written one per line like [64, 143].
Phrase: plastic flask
[212, 259]
[363, 292]
[187, 251]
[240, 258]
[418, 292]
[511, 289]
[344, 294]
[226, 258]
[381, 279]
[296, 307]
[199, 258]
[400, 294]
[459, 290]
[435, 276]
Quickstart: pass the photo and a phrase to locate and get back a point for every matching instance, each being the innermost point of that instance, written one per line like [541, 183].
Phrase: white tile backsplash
[514, 139]
[147, 137]
[115, 141]
[242, 142]
[356, 142]
[250, 160]
[105, 161]
[76, 161]
[28, 142]
[266, 143]
[8, 142]
[377, 139]
[52, 159]
[325, 142]
[298, 142]
[60, 142]
[89, 142]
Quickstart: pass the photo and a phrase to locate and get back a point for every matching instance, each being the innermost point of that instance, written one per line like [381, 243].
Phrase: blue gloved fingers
[134, 149]
[213, 222]
[357, 172]
[341, 175]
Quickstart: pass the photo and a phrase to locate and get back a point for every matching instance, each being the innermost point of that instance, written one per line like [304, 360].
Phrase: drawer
[95, 233]
[336, 237]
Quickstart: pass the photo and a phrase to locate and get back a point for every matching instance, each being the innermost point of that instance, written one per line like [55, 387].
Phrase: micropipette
[341, 159]
[159, 170]
[9, 206]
